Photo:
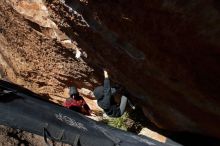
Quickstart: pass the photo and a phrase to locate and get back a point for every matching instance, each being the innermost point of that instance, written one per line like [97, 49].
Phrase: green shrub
[120, 123]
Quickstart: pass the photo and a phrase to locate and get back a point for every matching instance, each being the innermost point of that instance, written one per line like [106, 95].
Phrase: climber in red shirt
[76, 102]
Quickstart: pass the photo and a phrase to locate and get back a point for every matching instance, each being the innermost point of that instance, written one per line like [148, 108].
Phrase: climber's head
[73, 91]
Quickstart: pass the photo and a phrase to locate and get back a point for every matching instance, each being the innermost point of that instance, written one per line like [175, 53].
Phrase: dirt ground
[14, 137]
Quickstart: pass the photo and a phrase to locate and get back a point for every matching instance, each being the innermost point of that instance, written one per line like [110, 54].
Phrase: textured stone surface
[153, 135]
[166, 53]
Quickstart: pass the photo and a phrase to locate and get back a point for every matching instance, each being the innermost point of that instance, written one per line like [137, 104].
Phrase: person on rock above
[105, 98]
[76, 102]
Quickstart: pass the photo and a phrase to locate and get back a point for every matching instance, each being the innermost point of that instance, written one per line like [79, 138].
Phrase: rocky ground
[13, 137]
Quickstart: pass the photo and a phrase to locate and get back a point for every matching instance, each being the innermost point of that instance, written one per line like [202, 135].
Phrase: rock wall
[165, 52]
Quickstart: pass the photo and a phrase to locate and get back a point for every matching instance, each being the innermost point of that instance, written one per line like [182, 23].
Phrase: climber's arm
[107, 90]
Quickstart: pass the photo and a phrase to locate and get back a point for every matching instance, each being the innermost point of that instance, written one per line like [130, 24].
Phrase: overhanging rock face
[166, 53]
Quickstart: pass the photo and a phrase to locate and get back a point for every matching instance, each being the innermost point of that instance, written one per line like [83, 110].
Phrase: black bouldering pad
[25, 110]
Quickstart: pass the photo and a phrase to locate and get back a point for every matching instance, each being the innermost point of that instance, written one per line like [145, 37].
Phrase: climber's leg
[123, 104]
